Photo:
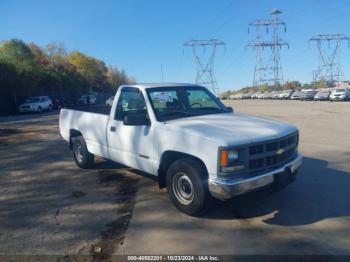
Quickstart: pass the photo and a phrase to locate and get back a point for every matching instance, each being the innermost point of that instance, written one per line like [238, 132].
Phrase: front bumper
[338, 98]
[225, 189]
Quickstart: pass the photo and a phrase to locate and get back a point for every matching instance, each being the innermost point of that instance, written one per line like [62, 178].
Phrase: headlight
[232, 156]
[229, 161]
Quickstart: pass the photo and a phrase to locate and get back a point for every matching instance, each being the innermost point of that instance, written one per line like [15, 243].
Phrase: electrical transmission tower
[205, 62]
[329, 69]
[268, 68]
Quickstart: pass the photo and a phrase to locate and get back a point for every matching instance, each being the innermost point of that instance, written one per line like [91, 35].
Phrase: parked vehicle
[266, 95]
[185, 137]
[247, 96]
[308, 95]
[87, 100]
[260, 96]
[236, 96]
[340, 95]
[109, 101]
[36, 104]
[256, 95]
[275, 95]
[284, 95]
[322, 95]
[296, 95]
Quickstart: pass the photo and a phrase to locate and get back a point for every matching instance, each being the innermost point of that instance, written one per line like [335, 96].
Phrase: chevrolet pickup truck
[188, 140]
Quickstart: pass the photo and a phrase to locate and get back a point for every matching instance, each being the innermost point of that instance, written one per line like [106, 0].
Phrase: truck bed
[104, 110]
[91, 122]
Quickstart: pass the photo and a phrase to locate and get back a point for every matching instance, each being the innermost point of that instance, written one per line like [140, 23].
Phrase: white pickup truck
[185, 137]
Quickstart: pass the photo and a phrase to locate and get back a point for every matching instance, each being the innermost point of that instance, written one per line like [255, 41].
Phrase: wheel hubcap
[79, 153]
[183, 188]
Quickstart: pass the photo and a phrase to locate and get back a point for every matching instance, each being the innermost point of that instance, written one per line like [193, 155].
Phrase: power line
[329, 68]
[205, 68]
[268, 71]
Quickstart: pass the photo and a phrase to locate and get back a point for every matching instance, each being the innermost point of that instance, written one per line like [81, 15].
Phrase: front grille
[272, 153]
[253, 150]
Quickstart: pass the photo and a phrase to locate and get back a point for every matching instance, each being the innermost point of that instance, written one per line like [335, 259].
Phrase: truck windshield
[177, 102]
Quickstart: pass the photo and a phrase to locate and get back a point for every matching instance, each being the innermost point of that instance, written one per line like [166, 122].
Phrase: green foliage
[93, 71]
[27, 70]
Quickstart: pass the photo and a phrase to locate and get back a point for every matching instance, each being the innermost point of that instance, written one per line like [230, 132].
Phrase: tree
[292, 85]
[27, 69]
[18, 55]
[93, 71]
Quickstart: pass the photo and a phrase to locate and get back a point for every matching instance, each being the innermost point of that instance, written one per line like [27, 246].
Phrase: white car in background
[109, 101]
[87, 100]
[256, 95]
[285, 94]
[36, 104]
[340, 95]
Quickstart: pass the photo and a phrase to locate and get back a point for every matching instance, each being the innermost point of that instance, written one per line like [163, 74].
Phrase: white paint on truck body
[141, 147]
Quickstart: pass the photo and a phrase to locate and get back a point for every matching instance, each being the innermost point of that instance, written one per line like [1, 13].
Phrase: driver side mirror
[229, 109]
[137, 119]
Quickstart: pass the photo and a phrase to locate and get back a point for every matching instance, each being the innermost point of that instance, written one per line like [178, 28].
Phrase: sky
[146, 38]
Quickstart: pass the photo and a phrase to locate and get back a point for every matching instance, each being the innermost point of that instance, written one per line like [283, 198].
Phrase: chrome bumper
[225, 189]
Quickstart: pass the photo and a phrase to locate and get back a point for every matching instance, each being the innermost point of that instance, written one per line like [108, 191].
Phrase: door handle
[113, 128]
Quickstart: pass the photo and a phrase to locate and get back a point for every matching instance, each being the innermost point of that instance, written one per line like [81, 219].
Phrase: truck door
[127, 144]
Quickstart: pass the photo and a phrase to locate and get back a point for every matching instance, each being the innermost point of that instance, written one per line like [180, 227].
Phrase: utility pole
[205, 67]
[329, 69]
[268, 68]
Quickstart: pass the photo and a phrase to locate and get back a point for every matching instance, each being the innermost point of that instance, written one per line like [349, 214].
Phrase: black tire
[192, 176]
[39, 110]
[50, 108]
[82, 157]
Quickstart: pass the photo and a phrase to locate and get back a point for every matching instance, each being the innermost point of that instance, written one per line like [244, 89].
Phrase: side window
[131, 101]
[42, 99]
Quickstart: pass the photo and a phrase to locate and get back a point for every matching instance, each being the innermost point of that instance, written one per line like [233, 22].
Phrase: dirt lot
[311, 216]
[49, 206]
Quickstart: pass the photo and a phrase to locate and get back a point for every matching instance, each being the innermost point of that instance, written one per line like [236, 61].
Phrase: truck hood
[232, 128]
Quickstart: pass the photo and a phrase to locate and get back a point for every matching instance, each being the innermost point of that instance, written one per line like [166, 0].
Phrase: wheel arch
[170, 156]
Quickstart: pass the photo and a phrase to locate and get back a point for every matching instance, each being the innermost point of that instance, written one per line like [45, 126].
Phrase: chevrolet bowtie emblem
[280, 151]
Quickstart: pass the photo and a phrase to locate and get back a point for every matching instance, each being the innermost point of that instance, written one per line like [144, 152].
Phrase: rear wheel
[187, 186]
[83, 158]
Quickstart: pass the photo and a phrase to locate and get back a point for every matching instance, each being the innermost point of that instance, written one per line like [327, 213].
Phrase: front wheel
[83, 158]
[187, 186]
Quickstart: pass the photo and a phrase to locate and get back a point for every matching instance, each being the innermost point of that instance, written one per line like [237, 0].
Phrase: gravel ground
[311, 216]
[48, 206]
